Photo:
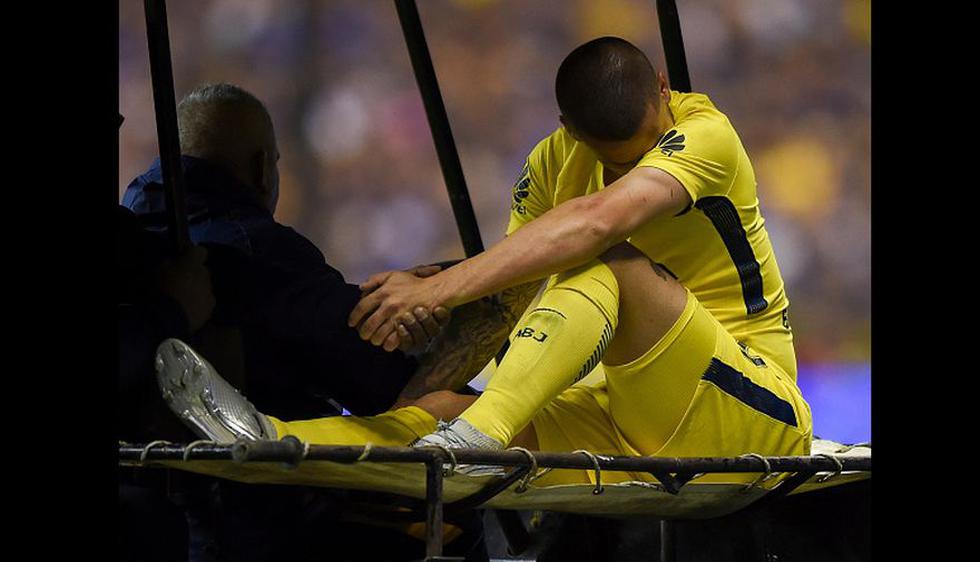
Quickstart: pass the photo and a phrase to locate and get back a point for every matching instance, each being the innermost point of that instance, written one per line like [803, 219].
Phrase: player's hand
[188, 281]
[390, 298]
[413, 331]
[378, 279]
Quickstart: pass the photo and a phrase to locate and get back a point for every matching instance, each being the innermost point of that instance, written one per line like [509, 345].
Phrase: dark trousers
[151, 527]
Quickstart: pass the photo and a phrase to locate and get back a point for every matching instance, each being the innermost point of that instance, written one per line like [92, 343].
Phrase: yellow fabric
[711, 164]
[660, 405]
[665, 393]
[559, 342]
[396, 428]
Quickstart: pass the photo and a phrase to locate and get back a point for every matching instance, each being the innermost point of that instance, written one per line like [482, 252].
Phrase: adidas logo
[671, 142]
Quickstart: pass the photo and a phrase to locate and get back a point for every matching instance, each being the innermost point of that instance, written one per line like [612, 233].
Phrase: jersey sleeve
[701, 154]
[532, 196]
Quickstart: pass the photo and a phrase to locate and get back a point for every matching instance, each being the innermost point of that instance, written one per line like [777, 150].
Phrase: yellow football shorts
[696, 393]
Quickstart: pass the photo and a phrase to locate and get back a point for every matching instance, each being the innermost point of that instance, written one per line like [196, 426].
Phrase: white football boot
[203, 400]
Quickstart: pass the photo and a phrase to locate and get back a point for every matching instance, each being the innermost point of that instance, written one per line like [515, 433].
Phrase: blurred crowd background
[359, 171]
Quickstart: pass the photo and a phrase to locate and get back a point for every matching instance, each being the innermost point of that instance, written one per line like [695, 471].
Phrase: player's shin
[558, 343]
[394, 428]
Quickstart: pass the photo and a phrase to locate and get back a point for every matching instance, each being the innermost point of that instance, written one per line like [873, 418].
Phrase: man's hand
[411, 330]
[188, 281]
[414, 331]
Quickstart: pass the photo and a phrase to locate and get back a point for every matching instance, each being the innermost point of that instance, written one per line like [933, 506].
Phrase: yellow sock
[396, 428]
[558, 343]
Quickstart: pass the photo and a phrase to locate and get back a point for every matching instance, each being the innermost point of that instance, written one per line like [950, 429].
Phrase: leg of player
[579, 320]
[650, 301]
[215, 410]
[399, 427]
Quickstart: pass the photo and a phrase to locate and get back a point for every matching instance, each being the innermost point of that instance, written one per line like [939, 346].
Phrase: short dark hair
[603, 88]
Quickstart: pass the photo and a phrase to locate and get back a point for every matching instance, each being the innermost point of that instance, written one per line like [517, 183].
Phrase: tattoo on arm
[475, 333]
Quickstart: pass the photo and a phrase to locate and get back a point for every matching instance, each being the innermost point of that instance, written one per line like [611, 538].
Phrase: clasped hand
[400, 309]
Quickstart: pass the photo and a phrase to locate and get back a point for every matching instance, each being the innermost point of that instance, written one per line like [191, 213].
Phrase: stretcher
[668, 488]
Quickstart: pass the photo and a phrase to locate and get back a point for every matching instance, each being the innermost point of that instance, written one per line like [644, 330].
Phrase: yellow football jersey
[718, 248]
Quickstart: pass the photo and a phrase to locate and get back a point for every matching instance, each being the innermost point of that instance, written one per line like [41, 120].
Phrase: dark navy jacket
[291, 306]
[146, 316]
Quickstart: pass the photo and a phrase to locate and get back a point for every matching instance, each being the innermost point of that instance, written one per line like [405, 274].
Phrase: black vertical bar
[433, 499]
[165, 107]
[668, 550]
[435, 111]
[670, 31]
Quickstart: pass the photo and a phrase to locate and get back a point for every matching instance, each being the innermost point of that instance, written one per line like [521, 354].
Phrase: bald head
[604, 87]
[228, 126]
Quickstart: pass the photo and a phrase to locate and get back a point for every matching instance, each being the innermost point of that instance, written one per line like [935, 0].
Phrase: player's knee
[628, 262]
[625, 259]
[622, 252]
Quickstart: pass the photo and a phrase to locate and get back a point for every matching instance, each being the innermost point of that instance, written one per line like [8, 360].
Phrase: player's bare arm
[567, 236]
[475, 333]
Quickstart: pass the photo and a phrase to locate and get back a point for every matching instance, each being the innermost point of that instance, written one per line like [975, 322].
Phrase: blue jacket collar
[211, 191]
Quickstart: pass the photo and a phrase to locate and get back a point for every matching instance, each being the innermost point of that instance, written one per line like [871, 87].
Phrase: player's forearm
[474, 335]
[565, 237]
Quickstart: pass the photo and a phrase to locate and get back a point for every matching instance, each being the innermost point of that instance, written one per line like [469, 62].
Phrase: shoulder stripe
[724, 216]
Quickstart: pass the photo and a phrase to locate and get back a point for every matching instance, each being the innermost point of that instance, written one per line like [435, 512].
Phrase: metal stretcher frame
[672, 473]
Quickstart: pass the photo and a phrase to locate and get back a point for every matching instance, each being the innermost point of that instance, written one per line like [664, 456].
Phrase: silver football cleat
[203, 400]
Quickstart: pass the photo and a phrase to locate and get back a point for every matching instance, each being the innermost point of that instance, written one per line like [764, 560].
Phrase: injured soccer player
[641, 212]
[640, 216]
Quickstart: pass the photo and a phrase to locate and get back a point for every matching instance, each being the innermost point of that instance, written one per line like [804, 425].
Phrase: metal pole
[165, 107]
[668, 552]
[433, 498]
[286, 451]
[670, 31]
[442, 135]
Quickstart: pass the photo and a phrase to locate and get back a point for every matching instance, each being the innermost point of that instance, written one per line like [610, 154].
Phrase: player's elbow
[599, 233]
[597, 230]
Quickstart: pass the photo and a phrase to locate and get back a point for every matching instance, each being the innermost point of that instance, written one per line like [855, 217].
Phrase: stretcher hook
[598, 471]
[762, 477]
[190, 447]
[447, 472]
[526, 481]
[840, 467]
[149, 446]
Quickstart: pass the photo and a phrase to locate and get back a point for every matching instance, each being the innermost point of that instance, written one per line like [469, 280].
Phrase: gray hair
[221, 121]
